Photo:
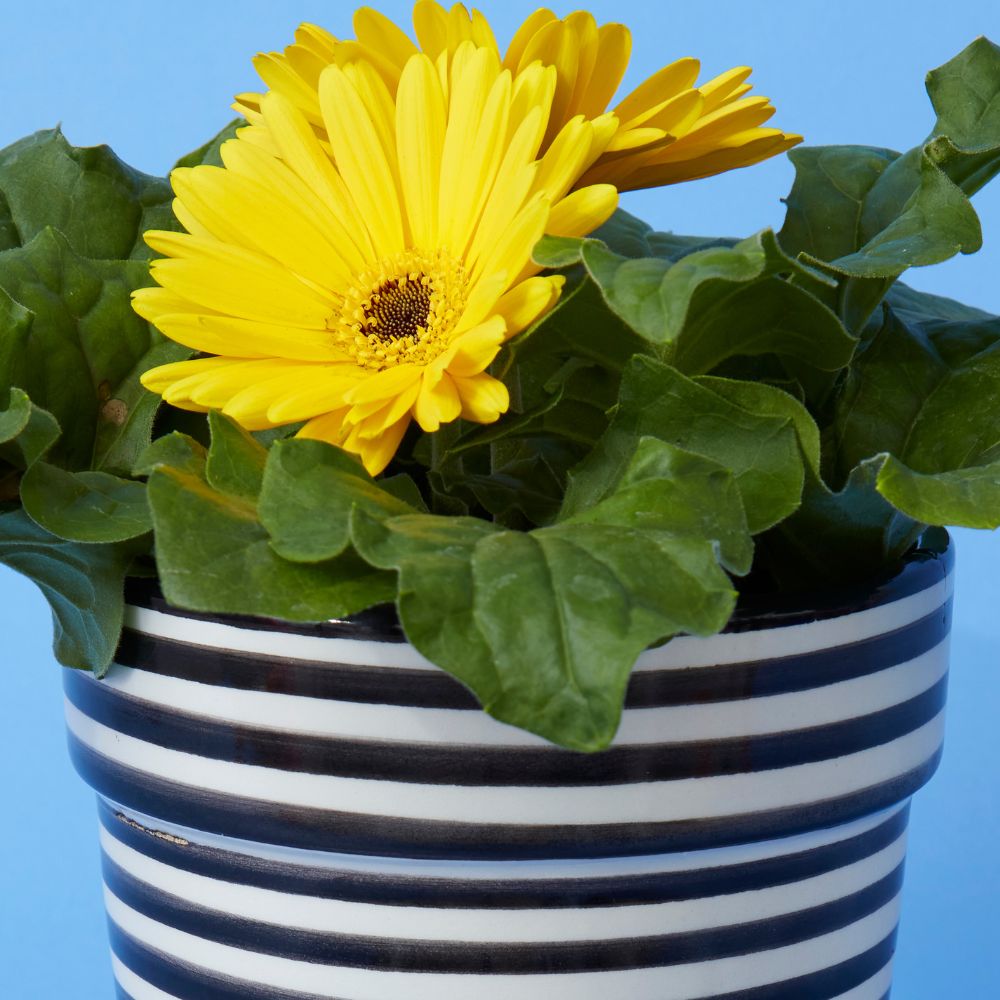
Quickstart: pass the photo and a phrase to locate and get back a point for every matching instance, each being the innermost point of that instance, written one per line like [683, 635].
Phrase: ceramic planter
[296, 813]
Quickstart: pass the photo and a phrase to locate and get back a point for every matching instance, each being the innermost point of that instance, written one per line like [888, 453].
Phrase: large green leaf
[666, 489]
[213, 553]
[27, 432]
[707, 305]
[85, 506]
[82, 352]
[965, 93]
[309, 490]
[82, 583]
[967, 497]
[839, 536]
[926, 391]
[235, 462]
[935, 223]
[100, 204]
[545, 626]
[760, 449]
[866, 215]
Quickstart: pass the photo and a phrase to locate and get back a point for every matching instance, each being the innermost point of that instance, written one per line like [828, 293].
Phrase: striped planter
[296, 813]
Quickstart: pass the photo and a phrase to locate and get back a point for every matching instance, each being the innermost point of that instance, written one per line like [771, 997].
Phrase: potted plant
[410, 355]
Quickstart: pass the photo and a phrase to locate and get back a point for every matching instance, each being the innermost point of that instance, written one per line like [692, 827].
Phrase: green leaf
[718, 303]
[213, 554]
[209, 154]
[967, 497]
[27, 432]
[965, 93]
[235, 462]
[934, 225]
[628, 236]
[655, 297]
[828, 198]
[760, 449]
[85, 506]
[926, 391]
[869, 214]
[100, 204]
[81, 354]
[174, 449]
[545, 626]
[839, 537]
[82, 583]
[309, 491]
[673, 491]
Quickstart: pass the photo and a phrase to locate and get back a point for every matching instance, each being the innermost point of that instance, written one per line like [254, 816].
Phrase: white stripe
[582, 868]
[331, 916]
[392, 723]
[681, 653]
[678, 982]
[135, 987]
[725, 795]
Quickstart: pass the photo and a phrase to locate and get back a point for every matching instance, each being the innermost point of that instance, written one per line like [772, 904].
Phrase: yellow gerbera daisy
[670, 128]
[362, 290]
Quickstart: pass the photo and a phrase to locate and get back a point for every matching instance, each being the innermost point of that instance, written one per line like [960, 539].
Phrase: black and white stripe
[295, 813]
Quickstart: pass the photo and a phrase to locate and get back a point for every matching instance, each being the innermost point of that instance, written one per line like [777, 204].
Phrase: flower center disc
[399, 308]
[402, 311]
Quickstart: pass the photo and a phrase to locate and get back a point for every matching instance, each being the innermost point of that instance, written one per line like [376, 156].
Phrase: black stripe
[436, 689]
[190, 983]
[828, 984]
[389, 954]
[358, 833]
[512, 894]
[478, 766]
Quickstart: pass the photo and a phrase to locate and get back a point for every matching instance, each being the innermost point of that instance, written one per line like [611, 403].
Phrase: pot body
[316, 813]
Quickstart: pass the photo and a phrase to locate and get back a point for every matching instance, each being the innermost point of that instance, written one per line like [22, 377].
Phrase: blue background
[155, 80]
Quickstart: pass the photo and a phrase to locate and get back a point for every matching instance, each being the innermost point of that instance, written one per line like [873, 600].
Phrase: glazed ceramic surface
[317, 813]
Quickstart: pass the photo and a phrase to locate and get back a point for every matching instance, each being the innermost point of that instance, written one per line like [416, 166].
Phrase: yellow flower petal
[430, 22]
[527, 302]
[361, 160]
[471, 87]
[514, 247]
[583, 211]
[335, 212]
[231, 280]
[384, 384]
[217, 334]
[237, 210]
[420, 134]
[484, 398]
[534, 23]
[474, 351]
[614, 49]
[661, 86]
[329, 427]
[375, 420]
[300, 149]
[376, 31]
[721, 88]
[314, 396]
[482, 162]
[161, 378]
[437, 403]
[376, 452]
[154, 302]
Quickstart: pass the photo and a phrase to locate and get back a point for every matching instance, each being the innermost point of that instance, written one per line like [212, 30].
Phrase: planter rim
[931, 561]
